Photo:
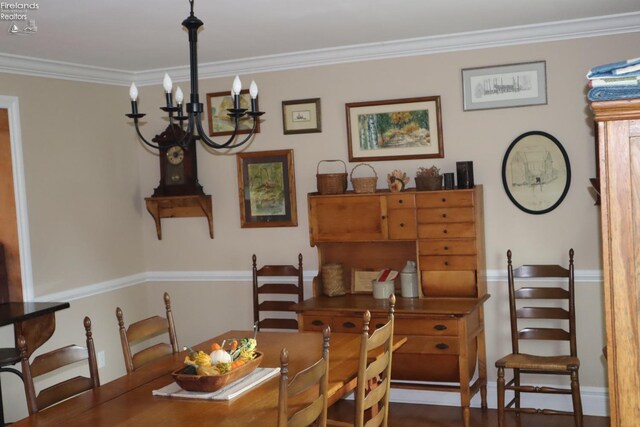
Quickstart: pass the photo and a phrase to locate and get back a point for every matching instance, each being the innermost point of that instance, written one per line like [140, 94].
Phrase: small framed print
[267, 189]
[504, 86]
[220, 123]
[301, 116]
[362, 281]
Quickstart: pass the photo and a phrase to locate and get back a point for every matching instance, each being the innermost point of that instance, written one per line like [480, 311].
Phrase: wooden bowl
[211, 383]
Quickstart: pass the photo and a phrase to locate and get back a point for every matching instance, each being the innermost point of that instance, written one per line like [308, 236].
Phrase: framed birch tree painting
[395, 129]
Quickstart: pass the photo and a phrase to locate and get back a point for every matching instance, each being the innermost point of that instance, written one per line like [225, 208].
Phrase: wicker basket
[429, 183]
[332, 280]
[365, 184]
[331, 183]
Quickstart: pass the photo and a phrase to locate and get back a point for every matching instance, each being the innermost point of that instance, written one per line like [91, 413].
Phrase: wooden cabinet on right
[619, 160]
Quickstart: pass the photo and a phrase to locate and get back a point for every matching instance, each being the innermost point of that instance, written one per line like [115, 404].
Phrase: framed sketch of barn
[504, 86]
[395, 129]
[536, 173]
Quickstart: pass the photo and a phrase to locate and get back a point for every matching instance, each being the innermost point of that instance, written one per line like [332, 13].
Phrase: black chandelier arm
[210, 142]
[154, 146]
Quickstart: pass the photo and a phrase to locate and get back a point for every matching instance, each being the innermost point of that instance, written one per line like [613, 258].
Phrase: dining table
[128, 400]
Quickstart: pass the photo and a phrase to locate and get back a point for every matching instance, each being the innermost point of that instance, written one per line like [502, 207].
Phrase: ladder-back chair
[145, 330]
[316, 375]
[271, 297]
[52, 361]
[538, 311]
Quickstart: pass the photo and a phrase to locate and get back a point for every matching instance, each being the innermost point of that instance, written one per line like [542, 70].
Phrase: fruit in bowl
[210, 372]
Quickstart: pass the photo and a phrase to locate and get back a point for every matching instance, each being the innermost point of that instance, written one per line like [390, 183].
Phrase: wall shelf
[180, 207]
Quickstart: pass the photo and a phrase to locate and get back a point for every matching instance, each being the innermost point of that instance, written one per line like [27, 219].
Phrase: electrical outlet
[101, 360]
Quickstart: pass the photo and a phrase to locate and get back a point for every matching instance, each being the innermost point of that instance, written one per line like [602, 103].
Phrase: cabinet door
[347, 218]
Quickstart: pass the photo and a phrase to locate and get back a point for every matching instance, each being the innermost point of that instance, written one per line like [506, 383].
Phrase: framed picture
[362, 281]
[504, 86]
[267, 188]
[301, 116]
[395, 129]
[219, 122]
[536, 173]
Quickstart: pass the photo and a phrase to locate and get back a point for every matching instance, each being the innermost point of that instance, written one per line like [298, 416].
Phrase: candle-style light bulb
[179, 95]
[133, 92]
[253, 89]
[167, 83]
[237, 85]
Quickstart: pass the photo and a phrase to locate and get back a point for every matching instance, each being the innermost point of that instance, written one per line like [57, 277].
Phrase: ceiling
[143, 35]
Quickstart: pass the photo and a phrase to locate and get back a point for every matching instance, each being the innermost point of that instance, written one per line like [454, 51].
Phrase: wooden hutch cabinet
[443, 231]
[619, 158]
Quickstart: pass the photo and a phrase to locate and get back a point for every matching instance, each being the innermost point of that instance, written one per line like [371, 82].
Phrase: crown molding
[552, 31]
[27, 66]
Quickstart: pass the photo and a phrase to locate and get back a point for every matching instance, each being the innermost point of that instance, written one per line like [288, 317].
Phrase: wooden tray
[211, 383]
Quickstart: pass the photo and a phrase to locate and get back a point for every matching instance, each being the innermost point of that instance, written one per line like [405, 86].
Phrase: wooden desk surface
[12, 312]
[128, 401]
[422, 306]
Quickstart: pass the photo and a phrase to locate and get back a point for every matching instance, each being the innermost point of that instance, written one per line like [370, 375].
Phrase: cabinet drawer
[354, 324]
[449, 284]
[453, 262]
[316, 323]
[398, 201]
[447, 247]
[446, 199]
[430, 327]
[444, 230]
[430, 345]
[445, 215]
[402, 224]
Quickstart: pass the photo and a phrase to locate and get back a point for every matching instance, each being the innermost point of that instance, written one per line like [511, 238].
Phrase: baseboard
[595, 400]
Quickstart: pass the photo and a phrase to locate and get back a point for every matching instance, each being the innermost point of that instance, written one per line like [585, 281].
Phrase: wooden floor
[408, 415]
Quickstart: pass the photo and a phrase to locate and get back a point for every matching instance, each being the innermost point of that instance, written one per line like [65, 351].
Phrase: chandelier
[194, 131]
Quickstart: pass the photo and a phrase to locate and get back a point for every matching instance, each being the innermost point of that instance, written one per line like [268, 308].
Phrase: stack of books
[618, 80]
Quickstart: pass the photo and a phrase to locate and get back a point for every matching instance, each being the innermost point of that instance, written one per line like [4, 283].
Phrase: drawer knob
[349, 325]
[446, 248]
[402, 224]
[317, 322]
[446, 263]
[444, 231]
[442, 346]
[400, 201]
[444, 215]
[440, 327]
[384, 217]
[444, 199]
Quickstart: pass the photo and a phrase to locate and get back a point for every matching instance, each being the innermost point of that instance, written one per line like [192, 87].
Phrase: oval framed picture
[536, 173]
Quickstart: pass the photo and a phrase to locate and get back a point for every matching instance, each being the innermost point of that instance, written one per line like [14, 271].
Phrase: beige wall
[87, 176]
[82, 184]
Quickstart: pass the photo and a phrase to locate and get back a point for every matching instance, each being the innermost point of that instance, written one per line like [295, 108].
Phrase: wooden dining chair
[143, 331]
[316, 375]
[53, 361]
[541, 320]
[271, 297]
[374, 375]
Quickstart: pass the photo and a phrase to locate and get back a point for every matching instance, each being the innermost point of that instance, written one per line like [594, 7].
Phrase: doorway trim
[15, 138]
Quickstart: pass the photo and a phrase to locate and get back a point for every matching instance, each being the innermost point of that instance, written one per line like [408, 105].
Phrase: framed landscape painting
[395, 129]
[267, 189]
[220, 123]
